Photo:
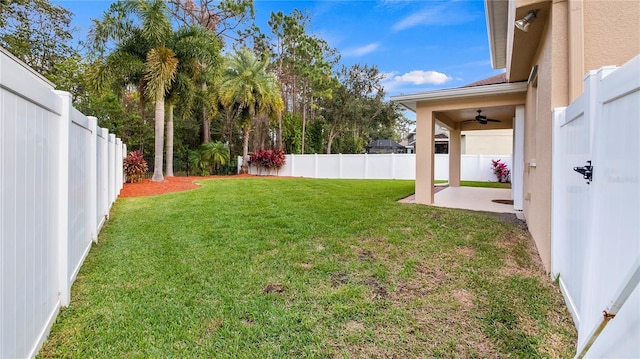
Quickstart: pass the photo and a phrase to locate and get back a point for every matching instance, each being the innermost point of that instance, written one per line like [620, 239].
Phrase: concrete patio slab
[475, 199]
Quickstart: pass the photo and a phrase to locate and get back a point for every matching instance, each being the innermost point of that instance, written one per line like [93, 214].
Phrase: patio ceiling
[457, 117]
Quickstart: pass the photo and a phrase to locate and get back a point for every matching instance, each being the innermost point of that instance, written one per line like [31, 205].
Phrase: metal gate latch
[585, 171]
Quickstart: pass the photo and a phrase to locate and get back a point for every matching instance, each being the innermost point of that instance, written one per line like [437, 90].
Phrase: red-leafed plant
[135, 167]
[501, 171]
[268, 159]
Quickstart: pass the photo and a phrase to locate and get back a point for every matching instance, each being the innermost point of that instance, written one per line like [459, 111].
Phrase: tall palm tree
[198, 53]
[249, 90]
[140, 31]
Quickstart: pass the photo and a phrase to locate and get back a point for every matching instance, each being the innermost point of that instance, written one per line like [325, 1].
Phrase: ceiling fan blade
[492, 120]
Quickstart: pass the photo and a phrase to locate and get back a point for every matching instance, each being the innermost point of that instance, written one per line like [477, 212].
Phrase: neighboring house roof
[441, 137]
[384, 144]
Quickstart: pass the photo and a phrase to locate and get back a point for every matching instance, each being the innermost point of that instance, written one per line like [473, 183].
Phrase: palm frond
[160, 70]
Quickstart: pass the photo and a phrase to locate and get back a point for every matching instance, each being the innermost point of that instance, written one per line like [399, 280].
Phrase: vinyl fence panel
[54, 175]
[596, 224]
[28, 191]
[81, 169]
[102, 182]
[380, 166]
[614, 243]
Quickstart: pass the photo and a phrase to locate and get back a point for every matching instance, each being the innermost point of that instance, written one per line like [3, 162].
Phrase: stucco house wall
[487, 142]
[611, 32]
[545, 68]
[609, 35]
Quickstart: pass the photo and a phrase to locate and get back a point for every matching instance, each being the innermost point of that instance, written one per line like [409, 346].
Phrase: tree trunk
[280, 130]
[280, 80]
[159, 140]
[245, 150]
[330, 138]
[304, 126]
[169, 153]
[206, 122]
[206, 126]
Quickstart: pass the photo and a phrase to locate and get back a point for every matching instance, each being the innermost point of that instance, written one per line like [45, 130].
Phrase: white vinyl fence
[59, 176]
[381, 166]
[596, 225]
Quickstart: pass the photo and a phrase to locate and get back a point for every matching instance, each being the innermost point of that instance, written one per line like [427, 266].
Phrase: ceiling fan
[483, 120]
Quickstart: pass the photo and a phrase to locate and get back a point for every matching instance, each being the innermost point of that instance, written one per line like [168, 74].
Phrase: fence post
[366, 166]
[393, 166]
[62, 206]
[104, 172]
[292, 164]
[111, 170]
[118, 166]
[93, 179]
[339, 165]
[315, 165]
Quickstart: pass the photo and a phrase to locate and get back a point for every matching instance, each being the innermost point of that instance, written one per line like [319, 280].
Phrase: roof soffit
[410, 101]
[523, 46]
[497, 27]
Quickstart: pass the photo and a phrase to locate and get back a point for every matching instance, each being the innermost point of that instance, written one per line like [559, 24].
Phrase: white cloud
[419, 77]
[362, 50]
[387, 75]
[436, 15]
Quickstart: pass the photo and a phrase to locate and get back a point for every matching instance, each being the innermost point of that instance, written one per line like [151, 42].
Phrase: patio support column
[517, 163]
[425, 146]
[455, 153]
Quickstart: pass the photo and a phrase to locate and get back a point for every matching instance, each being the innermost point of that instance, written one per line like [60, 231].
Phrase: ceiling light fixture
[523, 24]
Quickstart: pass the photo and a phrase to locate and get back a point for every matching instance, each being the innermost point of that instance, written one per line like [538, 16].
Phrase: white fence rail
[595, 240]
[381, 166]
[59, 175]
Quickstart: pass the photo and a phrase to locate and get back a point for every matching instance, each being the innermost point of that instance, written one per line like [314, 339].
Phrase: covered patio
[457, 110]
[471, 198]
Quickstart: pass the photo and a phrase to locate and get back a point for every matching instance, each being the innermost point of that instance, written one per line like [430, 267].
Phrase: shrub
[135, 167]
[209, 157]
[268, 159]
[501, 171]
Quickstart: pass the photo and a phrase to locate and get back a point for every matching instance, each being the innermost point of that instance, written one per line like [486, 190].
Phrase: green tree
[140, 31]
[248, 90]
[37, 32]
[221, 18]
[209, 157]
[198, 53]
[291, 133]
[303, 66]
[357, 107]
[217, 154]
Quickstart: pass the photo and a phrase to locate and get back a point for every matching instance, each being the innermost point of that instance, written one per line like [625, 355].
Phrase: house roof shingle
[493, 80]
[384, 144]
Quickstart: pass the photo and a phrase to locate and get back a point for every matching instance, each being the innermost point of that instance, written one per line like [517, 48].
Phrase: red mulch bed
[170, 184]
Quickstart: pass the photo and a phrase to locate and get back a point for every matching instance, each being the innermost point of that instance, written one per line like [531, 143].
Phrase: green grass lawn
[296, 268]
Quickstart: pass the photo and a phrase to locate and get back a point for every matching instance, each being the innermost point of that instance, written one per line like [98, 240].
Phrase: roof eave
[497, 24]
[410, 101]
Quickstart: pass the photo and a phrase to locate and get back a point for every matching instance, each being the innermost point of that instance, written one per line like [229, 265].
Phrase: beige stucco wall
[425, 132]
[548, 92]
[611, 32]
[487, 142]
[588, 34]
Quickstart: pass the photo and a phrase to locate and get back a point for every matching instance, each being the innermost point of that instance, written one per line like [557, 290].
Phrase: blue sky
[420, 45]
